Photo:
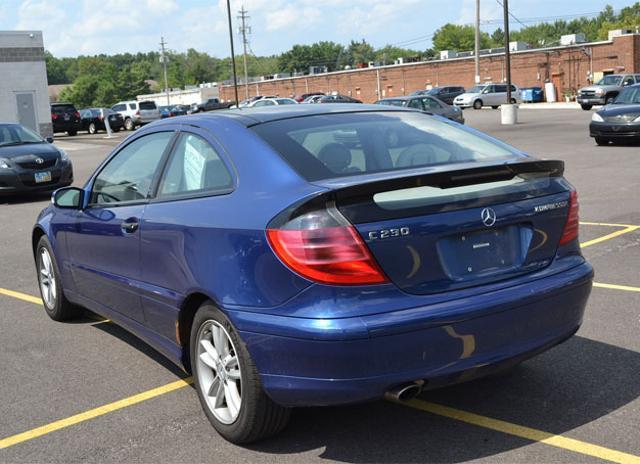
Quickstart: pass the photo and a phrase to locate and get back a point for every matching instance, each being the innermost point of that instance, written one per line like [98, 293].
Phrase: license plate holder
[41, 177]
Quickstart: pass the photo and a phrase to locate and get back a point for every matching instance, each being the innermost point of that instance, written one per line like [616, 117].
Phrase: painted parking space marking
[624, 288]
[528, 433]
[615, 234]
[21, 296]
[93, 413]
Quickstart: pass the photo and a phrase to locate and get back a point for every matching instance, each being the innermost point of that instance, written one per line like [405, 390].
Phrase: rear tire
[55, 303]
[477, 105]
[257, 417]
[494, 107]
[609, 100]
[92, 128]
[586, 107]
[513, 101]
[601, 141]
[128, 124]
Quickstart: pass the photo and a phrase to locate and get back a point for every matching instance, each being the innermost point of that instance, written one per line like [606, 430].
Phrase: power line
[510, 14]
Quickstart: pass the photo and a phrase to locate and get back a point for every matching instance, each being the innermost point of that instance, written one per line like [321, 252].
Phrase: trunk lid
[455, 228]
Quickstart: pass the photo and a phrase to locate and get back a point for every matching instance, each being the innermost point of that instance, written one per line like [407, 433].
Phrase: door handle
[130, 225]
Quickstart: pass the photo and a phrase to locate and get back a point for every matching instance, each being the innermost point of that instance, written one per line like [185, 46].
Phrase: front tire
[92, 128]
[228, 383]
[477, 105]
[609, 99]
[55, 303]
[128, 124]
[586, 107]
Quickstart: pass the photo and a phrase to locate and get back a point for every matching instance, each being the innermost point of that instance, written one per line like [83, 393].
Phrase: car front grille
[32, 164]
[587, 93]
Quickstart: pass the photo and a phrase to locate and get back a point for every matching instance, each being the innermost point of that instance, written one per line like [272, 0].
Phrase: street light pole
[233, 55]
[164, 67]
[507, 51]
[477, 47]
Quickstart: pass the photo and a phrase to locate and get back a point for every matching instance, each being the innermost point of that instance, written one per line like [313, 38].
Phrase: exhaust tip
[405, 392]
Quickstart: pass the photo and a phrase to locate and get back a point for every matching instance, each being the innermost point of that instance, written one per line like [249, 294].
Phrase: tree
[459, 38]
[301, 57]
[497, 38]
[359, 52]
[56, 73]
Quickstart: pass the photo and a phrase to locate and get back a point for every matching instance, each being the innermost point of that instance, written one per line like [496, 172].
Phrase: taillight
[76, 114]
[324, 247]
[54, 116]
[570, 231]
[137, 113]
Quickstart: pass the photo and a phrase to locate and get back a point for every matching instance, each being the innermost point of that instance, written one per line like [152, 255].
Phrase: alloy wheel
[47, 279]
[218, 372]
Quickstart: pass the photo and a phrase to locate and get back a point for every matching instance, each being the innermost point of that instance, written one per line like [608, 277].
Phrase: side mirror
[68, 198]
[49, 139]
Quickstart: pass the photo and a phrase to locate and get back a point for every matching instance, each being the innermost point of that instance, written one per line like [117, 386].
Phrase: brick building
[24, 95]
[568, 67]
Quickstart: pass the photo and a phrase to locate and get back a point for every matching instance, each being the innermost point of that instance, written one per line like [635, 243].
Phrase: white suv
[137, 113]
[492, 95]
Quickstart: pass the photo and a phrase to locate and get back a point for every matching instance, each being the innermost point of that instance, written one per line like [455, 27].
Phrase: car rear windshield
[147, 106]
[63, 109]
[349, 144]
[392, 102]
[610, 80]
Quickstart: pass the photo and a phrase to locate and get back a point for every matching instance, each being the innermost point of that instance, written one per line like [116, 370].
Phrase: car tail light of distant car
[570, 231]
[54, 116]
[324, 247]
[76, 114]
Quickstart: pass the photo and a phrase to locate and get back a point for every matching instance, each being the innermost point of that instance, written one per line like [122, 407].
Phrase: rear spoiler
[353, 195]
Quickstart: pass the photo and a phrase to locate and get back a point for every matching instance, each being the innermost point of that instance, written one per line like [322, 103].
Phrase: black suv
[446, 94]
[65, 118]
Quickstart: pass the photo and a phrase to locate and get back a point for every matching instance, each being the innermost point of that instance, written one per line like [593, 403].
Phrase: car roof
[253, 116]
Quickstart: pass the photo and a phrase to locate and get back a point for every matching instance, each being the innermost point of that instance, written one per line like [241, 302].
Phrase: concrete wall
[23, 70]
[567, 67]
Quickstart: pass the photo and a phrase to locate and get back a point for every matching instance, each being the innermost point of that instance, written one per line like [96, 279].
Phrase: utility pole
[233, 54]
[245, 30]
[507, 52]
[477, 49]
[163, 58]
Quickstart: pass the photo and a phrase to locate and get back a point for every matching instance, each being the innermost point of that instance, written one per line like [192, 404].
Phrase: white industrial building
[24, 96]
[188, 96]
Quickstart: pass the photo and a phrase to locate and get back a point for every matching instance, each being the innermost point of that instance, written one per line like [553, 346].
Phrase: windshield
[629, 96]
[610, 80]
[476, 89]
[349, 144]
[14, 134]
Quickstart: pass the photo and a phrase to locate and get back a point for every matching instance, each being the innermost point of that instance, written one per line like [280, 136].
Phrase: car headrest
[335, 156]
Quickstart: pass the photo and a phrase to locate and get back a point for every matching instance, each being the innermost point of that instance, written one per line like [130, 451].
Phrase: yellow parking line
[21, 296]
[625, 288]
[527, 433]
[606, 224]
[93, 413]
[615, 234]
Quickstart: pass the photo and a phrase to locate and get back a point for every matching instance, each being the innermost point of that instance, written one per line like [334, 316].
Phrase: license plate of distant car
[42, 177]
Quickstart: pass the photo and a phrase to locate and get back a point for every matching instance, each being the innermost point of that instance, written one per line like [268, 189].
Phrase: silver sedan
[427, 104]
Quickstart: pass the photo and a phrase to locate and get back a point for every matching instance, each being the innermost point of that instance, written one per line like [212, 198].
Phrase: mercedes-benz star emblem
[488, 216]
[39, 160]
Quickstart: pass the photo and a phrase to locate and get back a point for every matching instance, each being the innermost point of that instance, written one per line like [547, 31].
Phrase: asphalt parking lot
[88, 391]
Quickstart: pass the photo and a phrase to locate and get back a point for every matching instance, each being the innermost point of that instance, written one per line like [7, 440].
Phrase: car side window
[416, 103]
[628, 80]
[129, 174]
[431, 104]
[118, 108]
[132, 106]
[195, 167]
[499, 88]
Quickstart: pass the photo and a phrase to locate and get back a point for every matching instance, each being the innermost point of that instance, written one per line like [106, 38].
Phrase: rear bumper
[365, 356]
[66, 126]
[12, 182]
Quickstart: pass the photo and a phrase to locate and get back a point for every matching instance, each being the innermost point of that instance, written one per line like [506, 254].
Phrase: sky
[87, 27]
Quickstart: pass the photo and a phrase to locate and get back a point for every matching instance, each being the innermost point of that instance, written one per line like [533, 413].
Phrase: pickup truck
[605, 90]
[210, 105]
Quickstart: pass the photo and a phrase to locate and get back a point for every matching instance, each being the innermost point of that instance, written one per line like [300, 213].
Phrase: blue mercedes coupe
[319, 255]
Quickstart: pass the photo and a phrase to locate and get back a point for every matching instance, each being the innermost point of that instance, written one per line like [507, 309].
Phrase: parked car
[338, 99]
[305, 96]
[428, 104]
[348, 257]
[211, 104]
[605, 90]
[181, 110]
[136, 113]
[65, 118]
[169, 111]
[247, 102]
[446, 94]
[492, 95]
[620, 120]
[312, 99]
[29, 163]
[92, 120]
[271, 102]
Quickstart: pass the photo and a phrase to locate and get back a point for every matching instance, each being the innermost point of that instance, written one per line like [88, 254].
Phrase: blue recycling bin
[532, 94]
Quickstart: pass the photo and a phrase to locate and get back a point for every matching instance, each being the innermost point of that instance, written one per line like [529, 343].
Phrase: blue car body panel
[313, 344]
